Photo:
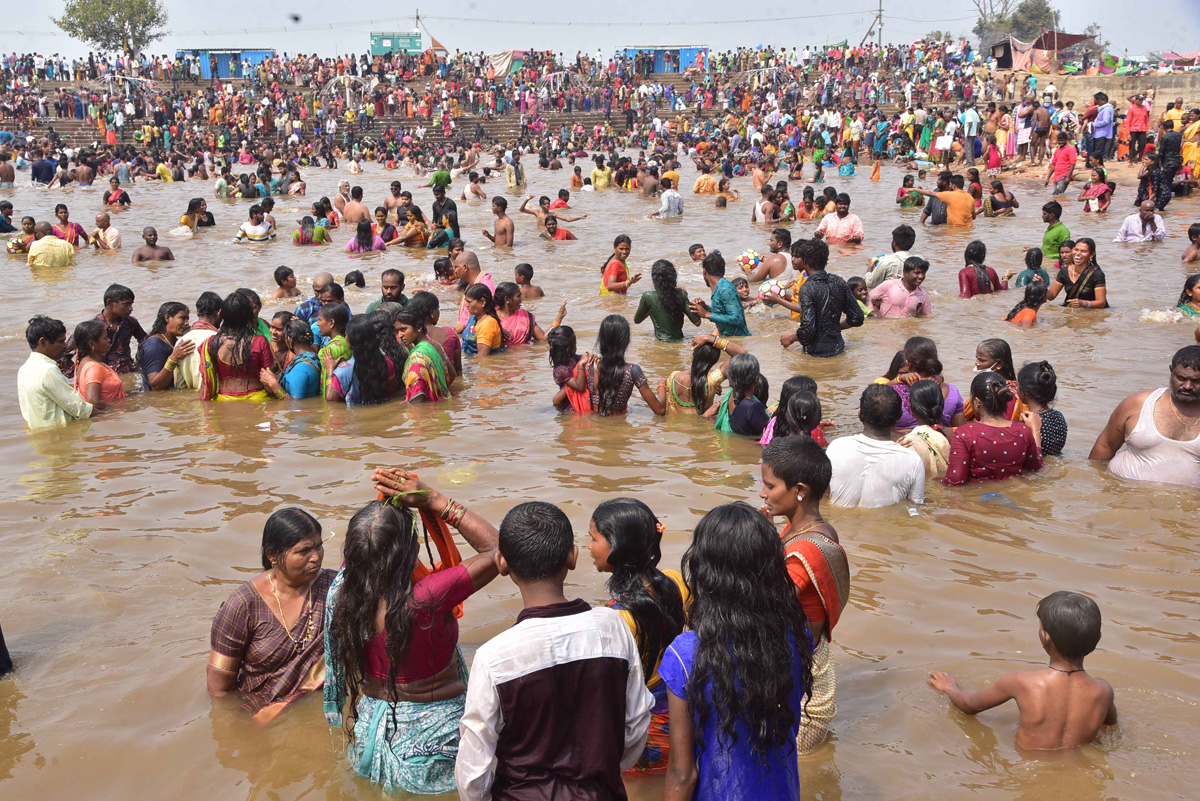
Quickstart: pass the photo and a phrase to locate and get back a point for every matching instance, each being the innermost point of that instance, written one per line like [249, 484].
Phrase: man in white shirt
[882, 268]
[46, 397]
[1144, 226]
[672, 203]
[105, 237]
[869, 470]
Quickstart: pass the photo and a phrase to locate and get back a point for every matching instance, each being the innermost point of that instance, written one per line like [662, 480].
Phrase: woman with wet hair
[608, 379]
[626, 542]
[396, 681]
[994, 446]
[368, 376]
[738, 678]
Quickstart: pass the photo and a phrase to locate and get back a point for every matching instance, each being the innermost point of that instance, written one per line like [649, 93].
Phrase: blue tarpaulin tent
[229, 60]
[687, 55]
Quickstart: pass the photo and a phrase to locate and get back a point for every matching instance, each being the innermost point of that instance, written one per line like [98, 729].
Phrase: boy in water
[556, 705]
[1060, 706]
[522, 276]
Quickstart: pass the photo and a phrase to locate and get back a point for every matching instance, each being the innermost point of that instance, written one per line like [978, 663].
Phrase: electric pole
[880, 24]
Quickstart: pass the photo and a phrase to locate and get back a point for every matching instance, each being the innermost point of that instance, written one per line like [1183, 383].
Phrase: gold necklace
[283, 617]
[1186, 423]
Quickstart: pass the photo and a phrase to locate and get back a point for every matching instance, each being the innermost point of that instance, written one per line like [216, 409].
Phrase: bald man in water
[307, 311]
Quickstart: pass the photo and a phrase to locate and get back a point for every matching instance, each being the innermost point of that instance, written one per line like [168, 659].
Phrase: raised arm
[479, 533]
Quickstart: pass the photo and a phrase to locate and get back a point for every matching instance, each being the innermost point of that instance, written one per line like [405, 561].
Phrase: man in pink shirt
[841, 228]
[1062, 165]
[466, 268]
[903, 297]
[1137, 122]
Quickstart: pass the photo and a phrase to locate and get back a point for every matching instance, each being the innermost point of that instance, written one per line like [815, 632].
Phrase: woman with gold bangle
[267, 641]
[705, 373]
[396, 678]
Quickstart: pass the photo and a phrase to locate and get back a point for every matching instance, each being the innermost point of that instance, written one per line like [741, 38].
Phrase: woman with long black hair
[737, 679]
[395, 678]
[626, 542]
[608, 379]
[705, 374]
[367, 376]
[232, 360]
[976, 278]
[666, 304]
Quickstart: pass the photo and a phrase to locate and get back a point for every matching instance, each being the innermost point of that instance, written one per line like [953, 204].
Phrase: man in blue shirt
[726, 311]
[1103, 128]
[42, 171]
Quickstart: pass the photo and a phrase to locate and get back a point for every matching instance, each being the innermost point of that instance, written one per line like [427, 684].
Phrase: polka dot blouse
[1054, 432]
[980, 452]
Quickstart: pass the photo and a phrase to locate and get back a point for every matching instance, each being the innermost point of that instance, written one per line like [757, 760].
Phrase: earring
[799, 497]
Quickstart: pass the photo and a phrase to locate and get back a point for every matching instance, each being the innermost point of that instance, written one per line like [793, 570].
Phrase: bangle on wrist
[453, 513]
[171, 365]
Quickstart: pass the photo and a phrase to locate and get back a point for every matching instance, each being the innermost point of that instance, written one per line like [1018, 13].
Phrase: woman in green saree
[427, 372]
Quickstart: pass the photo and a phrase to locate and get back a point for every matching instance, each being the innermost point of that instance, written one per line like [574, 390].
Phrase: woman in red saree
[795, 475]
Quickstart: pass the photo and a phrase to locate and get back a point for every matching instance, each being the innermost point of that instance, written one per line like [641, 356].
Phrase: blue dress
[734, 774]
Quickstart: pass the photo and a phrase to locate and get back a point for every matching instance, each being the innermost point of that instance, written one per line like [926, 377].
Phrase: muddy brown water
[124, 534]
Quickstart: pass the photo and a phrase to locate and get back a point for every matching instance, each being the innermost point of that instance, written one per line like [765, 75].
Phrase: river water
[124, 534]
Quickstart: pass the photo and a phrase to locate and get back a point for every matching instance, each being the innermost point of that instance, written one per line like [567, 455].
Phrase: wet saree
[272, 666]
[403, 746]
[425, 374]
[828, 578]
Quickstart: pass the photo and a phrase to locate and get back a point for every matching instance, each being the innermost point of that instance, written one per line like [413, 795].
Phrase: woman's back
[733, 773]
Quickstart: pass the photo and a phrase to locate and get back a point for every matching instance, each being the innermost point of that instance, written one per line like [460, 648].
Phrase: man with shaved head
[105, 237]
[466, 268]
[47, 250]
[152, 251]
[307, 311]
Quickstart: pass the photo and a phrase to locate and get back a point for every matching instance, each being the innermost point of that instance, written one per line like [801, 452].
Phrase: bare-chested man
[504, 224]
[780, 259]
[355, 210]
[393, 201]
[152, 251]
[650, 185]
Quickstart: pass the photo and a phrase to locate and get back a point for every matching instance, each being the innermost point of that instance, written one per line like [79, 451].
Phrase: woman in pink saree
[518, 325]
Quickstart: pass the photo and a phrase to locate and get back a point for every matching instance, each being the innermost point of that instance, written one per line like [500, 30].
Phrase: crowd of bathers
[653, 684]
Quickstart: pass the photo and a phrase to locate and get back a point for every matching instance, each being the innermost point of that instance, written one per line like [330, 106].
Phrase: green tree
[1030, 17]
[114, 25]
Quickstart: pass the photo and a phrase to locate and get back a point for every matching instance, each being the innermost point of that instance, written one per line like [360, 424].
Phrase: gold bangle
[171, 365]
[721, 343]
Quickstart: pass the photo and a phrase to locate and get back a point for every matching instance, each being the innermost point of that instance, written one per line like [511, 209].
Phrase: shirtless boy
[523, 274]
[1060, 706]
[504, 224]
[543, 210]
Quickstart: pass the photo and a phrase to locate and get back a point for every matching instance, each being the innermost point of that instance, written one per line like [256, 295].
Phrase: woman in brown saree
[268, 638]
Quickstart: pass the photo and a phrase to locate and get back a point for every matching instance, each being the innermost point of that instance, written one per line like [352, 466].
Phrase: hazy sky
[26, 27]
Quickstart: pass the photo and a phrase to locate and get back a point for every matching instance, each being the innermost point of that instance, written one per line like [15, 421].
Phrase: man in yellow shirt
[48, 250]
[164, 173]
[705, 183]
[960, 206]
[601, 175]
